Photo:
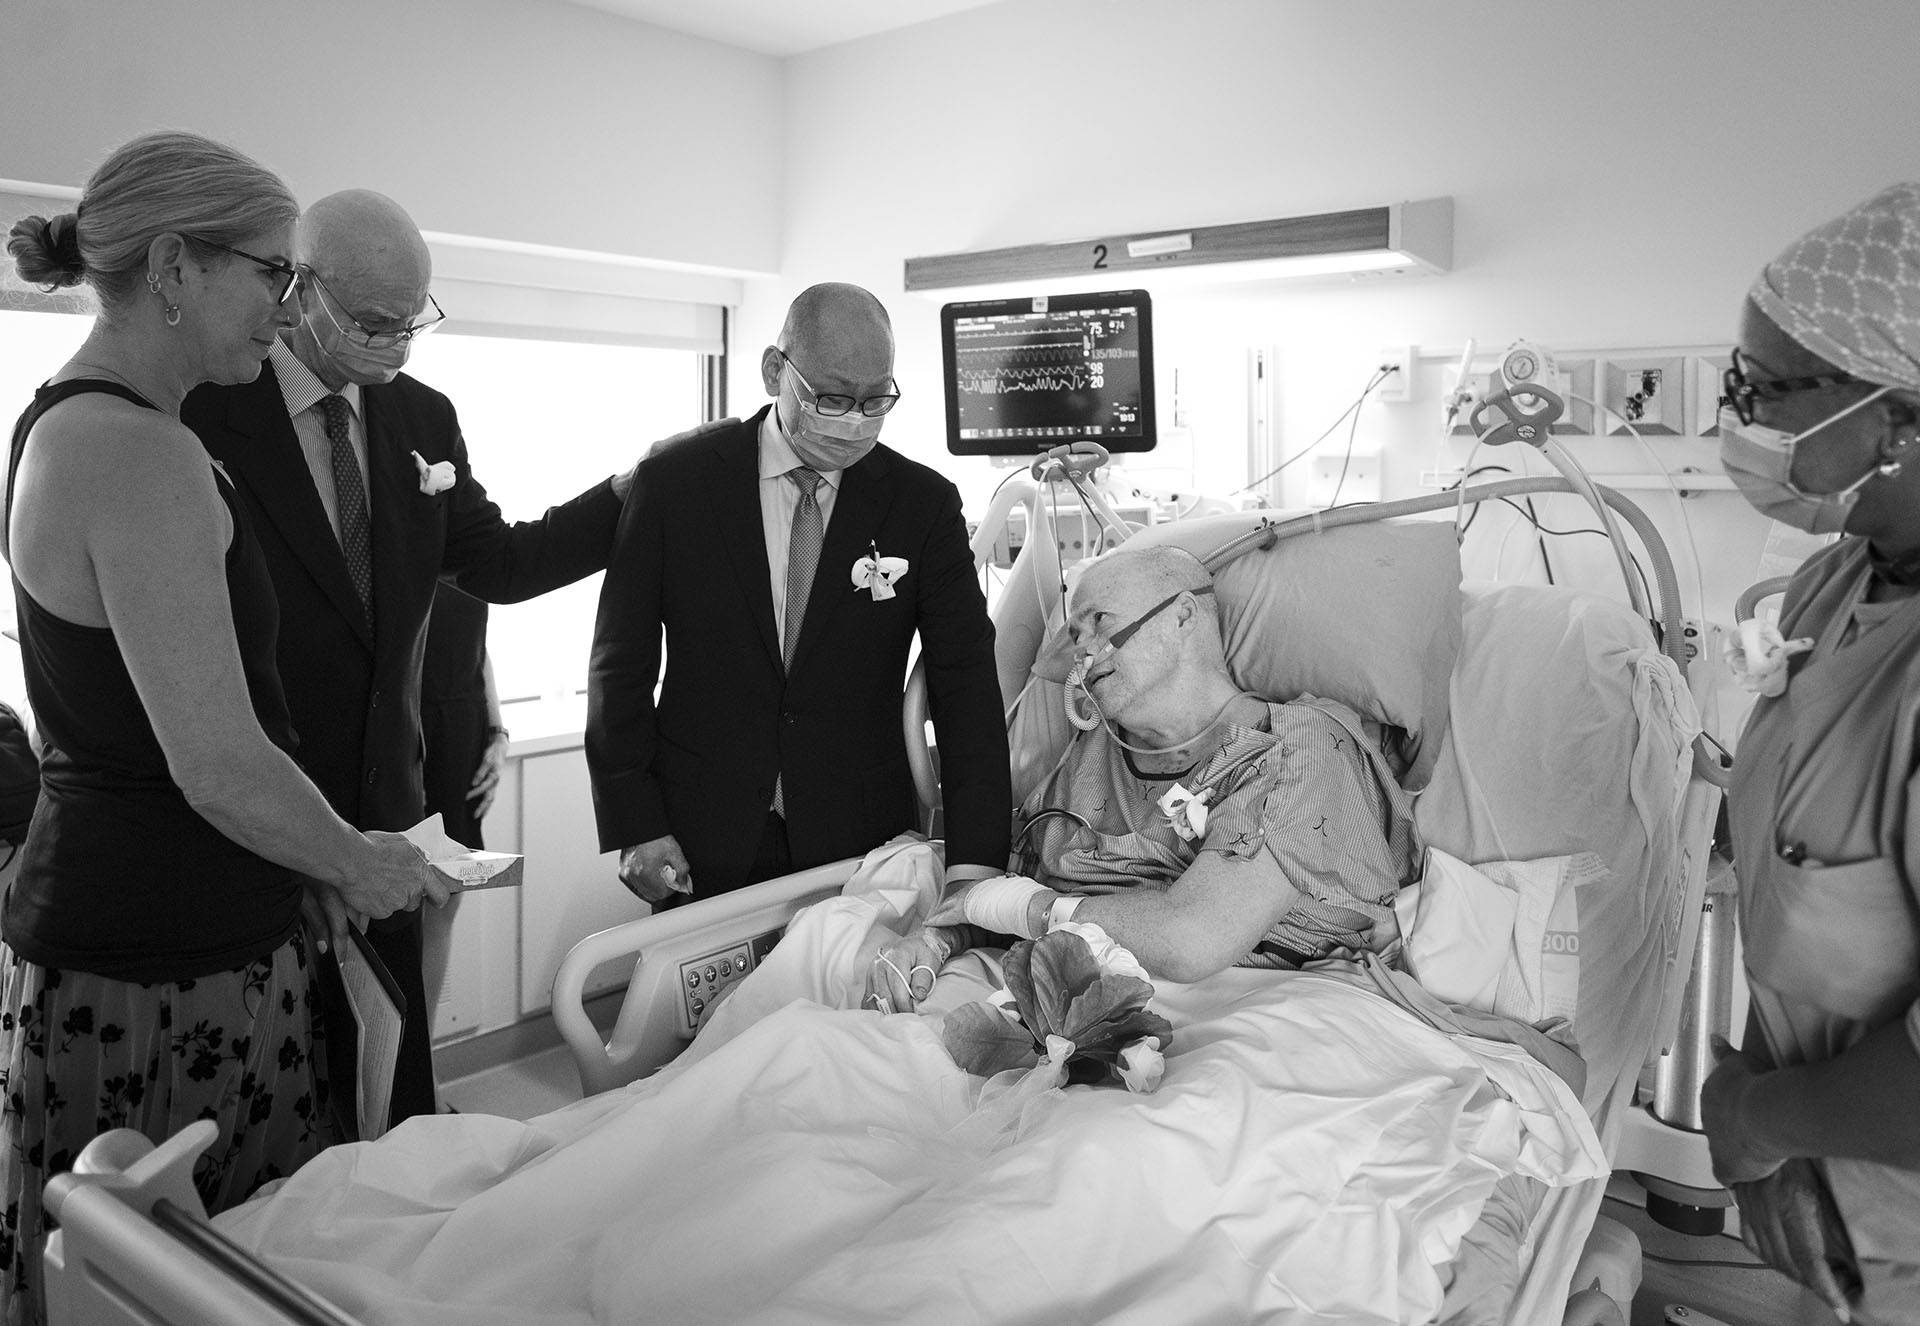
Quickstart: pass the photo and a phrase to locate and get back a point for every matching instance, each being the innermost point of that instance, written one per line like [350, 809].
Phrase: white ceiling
[783, 27]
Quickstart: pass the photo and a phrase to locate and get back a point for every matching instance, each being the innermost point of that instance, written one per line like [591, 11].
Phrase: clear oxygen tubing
[1706, 765]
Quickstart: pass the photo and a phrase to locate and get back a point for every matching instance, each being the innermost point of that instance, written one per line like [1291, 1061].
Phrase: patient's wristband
[1001, 904]
[1062, 910]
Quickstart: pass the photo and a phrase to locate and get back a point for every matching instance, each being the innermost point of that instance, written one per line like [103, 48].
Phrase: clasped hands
[903, 973]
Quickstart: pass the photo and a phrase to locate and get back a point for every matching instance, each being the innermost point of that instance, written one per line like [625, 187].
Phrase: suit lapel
[274, 469]
[392, 482]
[866, 491]
[735, 489]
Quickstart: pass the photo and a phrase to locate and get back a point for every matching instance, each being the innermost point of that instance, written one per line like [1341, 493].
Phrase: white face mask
[1759, 460]
[830, 441]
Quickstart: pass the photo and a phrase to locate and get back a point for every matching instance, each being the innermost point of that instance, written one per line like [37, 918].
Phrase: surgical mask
[360, 363]
[1759, 460]
[831, 441]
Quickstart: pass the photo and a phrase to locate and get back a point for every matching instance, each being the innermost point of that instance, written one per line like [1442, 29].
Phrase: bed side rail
[650, 1028]
[134, 1246]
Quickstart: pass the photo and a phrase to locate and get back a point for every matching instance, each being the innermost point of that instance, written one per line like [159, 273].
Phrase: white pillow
[1502, 937]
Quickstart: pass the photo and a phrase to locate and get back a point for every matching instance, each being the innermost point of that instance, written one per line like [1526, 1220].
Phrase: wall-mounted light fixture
[1409, 237]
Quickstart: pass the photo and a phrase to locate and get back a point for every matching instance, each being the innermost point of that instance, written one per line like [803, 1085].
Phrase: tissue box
[474, 869]
[482, 870]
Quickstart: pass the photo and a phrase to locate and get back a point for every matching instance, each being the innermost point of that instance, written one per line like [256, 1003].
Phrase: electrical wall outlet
[1648, 394]
[1342, 479]
[1396, 361]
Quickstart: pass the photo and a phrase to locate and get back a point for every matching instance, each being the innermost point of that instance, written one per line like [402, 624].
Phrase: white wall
[527, 120]
[1620, 171]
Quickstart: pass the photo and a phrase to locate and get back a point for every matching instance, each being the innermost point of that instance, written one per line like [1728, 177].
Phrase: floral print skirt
[81, 1054]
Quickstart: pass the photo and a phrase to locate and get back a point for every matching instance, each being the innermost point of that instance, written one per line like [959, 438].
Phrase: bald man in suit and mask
[776, 741]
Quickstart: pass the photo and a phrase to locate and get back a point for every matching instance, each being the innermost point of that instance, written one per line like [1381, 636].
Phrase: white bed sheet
[1314, 1154]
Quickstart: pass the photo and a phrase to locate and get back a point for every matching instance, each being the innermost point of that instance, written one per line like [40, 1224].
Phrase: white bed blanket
[1314, 1154]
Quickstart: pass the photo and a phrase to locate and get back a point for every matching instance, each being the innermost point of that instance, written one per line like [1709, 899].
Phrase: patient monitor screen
[1024, 375]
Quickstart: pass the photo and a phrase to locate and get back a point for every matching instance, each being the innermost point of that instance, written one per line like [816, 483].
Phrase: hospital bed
[1540, 722]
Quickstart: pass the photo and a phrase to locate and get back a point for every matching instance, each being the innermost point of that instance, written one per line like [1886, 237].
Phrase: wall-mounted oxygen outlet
[1396, 363]
[1649, 394]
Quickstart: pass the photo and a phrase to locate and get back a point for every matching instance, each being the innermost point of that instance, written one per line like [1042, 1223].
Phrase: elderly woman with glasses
[154, 968]
[1813, 1121]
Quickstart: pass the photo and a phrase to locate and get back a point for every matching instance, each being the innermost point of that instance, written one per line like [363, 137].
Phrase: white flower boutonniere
[876, 574]
[434, 478]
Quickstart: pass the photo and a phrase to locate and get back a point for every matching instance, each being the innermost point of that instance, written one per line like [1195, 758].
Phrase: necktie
[350, 491]
[803, 558]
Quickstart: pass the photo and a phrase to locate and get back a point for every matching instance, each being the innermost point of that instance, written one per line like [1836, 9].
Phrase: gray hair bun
[47, 253]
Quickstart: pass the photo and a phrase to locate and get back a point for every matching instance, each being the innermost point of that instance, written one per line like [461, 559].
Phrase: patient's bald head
[1147, 574]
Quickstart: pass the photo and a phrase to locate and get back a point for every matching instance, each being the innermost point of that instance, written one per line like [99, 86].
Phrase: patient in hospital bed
[1198, 825]
[1312, 1153]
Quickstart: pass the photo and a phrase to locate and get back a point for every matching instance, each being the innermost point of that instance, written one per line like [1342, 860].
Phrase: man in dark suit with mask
[357, 483]
[764, 552]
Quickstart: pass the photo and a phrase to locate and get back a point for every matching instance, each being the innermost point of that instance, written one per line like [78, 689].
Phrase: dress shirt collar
[300, 388]
[777, 455]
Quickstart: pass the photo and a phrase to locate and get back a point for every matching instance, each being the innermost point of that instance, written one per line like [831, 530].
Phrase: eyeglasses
[286, 271]
[833, 403]
[367, 336]
[1740, 392]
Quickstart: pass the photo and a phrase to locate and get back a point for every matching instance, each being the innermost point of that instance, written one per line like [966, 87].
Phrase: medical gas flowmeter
[1522, 403]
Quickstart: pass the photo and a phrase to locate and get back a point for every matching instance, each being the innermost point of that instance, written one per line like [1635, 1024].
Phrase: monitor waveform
[1038, 377]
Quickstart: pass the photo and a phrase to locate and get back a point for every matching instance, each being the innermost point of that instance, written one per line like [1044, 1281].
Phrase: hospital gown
[1826, 785]
[1312, 790]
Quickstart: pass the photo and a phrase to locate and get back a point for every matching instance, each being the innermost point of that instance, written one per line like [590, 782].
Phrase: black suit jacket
[691, 559]
[355, 694]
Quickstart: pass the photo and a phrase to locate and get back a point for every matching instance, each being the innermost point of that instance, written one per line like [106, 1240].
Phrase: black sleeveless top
[119, 876]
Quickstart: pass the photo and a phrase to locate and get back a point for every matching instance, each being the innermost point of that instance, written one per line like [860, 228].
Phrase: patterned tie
[351, 492]
[803, 558]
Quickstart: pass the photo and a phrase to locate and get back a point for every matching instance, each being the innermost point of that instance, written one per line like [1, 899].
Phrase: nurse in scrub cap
[1815, 1122]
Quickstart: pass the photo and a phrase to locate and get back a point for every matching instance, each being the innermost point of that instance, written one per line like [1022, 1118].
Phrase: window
[32, 348]
[544, 421]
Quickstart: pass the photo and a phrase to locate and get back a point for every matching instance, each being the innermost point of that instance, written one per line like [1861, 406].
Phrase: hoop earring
[173, 315]
[153, 282]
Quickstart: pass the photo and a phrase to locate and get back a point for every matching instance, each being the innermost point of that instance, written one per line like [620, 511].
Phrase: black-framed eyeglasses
[365, 335]
[833, 402]
[1740, 391]
[286, 271]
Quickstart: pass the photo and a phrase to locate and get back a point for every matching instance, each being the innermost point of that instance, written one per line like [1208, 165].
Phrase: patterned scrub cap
[1850, 290]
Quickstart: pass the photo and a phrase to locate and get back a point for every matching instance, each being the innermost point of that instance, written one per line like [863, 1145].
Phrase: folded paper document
[473, 868]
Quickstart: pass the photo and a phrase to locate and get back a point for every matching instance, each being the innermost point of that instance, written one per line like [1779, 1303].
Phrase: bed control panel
[704, 979]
